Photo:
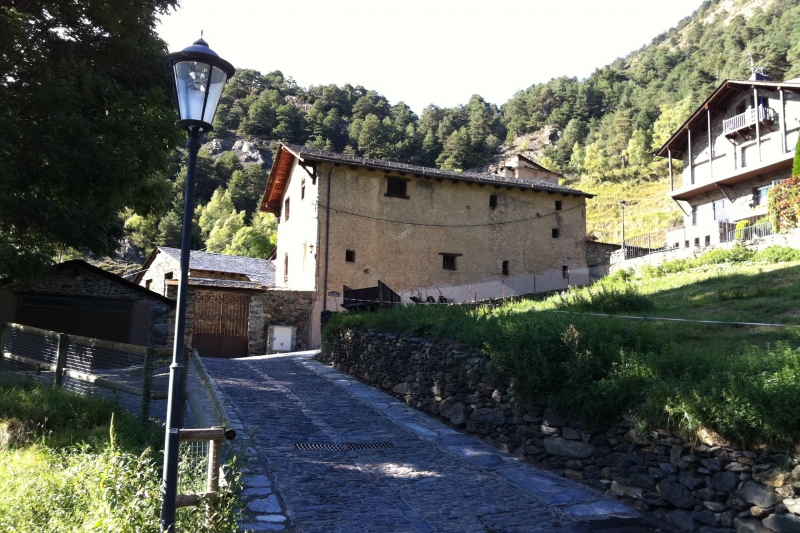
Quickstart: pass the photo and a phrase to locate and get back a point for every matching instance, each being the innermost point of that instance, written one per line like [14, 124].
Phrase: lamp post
[199, 75]
[622, 204]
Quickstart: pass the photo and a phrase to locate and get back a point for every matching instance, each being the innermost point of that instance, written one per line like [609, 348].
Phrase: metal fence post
[61, 358]
[147, 381]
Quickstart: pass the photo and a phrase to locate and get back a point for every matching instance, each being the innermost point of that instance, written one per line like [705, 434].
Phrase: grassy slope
[741, 381]
[64, 469]
[648, 207]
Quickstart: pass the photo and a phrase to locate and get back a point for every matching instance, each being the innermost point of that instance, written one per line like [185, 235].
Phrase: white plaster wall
[297, 236]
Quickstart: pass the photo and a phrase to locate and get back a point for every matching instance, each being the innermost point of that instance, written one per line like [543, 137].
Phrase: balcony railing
[748, 119]
[687, 237]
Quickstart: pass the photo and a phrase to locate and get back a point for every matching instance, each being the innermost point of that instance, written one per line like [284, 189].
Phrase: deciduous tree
[86, 124]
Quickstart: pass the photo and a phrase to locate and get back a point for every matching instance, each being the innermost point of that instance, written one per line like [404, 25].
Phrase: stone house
[735, 147]
[80, 299]
[348, 222]
[233, 308]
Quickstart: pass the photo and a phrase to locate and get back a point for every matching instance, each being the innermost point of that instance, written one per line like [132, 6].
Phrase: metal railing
[749, 233]
[648, 243]
[678, 237]
[88, 366]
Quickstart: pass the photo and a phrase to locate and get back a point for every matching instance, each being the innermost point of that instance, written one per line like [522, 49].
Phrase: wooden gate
[220, 325]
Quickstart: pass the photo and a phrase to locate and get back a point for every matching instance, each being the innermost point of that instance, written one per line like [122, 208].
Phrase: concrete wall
[790, 239]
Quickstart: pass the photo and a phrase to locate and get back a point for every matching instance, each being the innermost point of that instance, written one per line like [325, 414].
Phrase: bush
[778, 254]
[783, 203]
[741, 226]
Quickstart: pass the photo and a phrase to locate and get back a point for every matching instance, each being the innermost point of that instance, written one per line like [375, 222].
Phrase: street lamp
[199, 75]
[622, 204]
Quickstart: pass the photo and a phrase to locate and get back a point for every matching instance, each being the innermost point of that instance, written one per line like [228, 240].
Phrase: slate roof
[278, 179]
[260, 271]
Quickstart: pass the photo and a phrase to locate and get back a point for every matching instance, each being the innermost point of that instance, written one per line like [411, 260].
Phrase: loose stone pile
[704, 487]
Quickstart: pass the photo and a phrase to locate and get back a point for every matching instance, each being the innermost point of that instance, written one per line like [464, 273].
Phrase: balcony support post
[784, 146]
[710, 147]
[691, 159]
[671, 177]
[758, 122]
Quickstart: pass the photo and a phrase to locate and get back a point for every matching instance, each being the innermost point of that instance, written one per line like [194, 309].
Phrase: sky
[424, 51]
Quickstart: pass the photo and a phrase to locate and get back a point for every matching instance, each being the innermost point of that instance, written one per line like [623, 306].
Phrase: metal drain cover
[342, 447]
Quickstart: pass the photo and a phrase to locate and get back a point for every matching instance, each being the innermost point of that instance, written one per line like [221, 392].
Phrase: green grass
[741, 381]
[69, 463]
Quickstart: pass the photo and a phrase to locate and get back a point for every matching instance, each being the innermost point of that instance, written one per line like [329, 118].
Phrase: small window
[565, 272]
[286, 210]
[350, 256]
[708, 240]
[148, 284]
[168, 275]
[493, 201]
[449, 261]
[285, 268]
[694, 215]
[697, 241]
[686, 244]
[505, 268]
[558, 205]
[302, 189]
[556, 233]
[396, 187]
[760, 195]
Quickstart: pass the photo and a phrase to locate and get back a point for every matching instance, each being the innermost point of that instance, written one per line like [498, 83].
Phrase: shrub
[741, 226]
[783, 203]
[778, 254]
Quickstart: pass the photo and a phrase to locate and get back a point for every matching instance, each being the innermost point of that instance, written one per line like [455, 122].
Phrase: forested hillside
[599, 132]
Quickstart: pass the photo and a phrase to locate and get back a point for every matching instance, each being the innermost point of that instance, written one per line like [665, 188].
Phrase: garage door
[98, 318]
[220, 326]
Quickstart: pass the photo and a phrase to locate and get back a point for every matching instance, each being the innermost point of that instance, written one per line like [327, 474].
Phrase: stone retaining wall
[697, 487]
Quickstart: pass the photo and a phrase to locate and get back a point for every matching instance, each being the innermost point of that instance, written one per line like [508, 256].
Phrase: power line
[537, 217]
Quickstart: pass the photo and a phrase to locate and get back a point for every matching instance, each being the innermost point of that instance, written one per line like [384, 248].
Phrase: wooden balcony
[745, 122]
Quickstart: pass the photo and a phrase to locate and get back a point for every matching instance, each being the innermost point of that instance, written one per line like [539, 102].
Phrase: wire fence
[134, 377]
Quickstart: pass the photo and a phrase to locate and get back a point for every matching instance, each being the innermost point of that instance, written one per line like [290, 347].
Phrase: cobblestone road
[329, 454]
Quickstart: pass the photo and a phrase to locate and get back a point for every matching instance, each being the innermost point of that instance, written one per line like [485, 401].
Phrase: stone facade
[347, 221]
[281, 308]
[267, 308]
[695, 486]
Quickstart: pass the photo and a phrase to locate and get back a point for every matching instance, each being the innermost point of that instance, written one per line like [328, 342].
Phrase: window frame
[394, 180]
[449, 261]
[350, 256]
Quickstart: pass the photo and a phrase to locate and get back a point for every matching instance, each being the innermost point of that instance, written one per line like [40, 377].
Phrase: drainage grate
[343, 447]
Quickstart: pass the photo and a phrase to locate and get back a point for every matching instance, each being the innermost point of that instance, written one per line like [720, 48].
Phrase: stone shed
[78, 298]
[233, 308]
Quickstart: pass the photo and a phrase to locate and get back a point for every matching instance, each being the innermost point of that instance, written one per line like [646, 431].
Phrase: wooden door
[220, 327]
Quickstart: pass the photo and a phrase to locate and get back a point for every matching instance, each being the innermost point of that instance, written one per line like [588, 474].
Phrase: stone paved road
[334, 455]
